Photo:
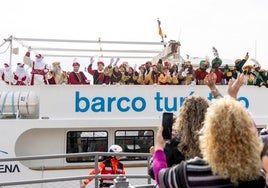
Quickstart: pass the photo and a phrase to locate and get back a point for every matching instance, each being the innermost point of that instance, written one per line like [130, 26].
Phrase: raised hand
[92, 60]
[210, 80]
[111, 61]
[116, 61]
[234, 85]
[185, 72]
[134, 67]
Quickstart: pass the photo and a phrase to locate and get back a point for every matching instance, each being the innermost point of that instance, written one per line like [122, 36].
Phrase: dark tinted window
[86, 141]
[138, 141]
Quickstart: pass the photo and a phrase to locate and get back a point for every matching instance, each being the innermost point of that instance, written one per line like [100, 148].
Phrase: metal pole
[89, 41]
[255, 49]
[94, 50]
[10, 55]
[96, 170]
[103, 56]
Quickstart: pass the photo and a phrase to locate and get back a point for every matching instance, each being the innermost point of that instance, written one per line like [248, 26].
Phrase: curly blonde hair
[229, 141]
[188, 124]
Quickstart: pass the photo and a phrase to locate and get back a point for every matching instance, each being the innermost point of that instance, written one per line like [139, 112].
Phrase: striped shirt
[194, 173]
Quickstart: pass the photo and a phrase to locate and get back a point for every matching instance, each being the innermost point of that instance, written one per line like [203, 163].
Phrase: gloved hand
[116, 61]
[134, 67]
[111, 61]
[168, 73]
[91, 60]
[185, 72]
[29, 48]
[174, 74]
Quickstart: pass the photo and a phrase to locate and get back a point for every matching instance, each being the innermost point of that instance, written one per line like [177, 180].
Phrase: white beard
[20, 72]
[8, 74]
[57, 70]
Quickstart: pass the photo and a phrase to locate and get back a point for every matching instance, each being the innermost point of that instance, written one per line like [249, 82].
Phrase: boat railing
[96, 155]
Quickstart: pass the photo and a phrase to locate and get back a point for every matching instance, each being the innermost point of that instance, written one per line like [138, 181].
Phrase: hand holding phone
[167, 122]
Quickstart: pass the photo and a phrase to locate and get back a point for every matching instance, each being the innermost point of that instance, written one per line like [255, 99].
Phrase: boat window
[86, 141]
[135, 141]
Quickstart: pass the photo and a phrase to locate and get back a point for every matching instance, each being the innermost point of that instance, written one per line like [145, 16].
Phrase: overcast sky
[234, 27]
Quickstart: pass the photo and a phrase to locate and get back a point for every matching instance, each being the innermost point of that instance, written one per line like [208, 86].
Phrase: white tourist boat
[62, 119]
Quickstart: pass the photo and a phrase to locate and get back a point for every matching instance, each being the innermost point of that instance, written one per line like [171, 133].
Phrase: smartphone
[167, 121]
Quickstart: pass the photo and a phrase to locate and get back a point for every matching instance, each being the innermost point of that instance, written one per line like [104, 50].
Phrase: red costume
[98, 74]
[7, 75]
[77, 77]
[216, 63]
[201, 72]
[39, 69]
[21, 76]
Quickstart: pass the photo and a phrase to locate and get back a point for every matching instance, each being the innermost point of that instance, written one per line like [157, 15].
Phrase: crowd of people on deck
[160, 73]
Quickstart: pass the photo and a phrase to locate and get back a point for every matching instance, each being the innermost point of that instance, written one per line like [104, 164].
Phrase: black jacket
[173, 155]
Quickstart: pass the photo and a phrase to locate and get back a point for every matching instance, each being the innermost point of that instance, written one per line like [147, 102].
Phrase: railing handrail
[96, 161]
[50, 180]
[84, 154]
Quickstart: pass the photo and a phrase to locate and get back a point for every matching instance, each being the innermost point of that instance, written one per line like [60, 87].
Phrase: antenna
[179, 36]
[255, 49]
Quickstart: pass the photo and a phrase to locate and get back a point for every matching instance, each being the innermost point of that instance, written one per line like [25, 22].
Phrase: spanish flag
[160, 32]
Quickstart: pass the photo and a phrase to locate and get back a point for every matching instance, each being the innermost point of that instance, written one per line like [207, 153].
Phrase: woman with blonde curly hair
[188, 124]
[230, 148]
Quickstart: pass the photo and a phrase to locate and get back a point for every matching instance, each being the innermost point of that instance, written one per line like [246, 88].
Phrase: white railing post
[121, 182]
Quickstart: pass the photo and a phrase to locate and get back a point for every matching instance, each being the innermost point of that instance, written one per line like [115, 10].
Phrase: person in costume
[6, 74]
[240, 63]
[174, 73]
[130, 77]
[152, 77]
[57, 75]
[77, 77]
[186, 74]
[141, 75]
[21, 76]
[110, 166]
[201, 72]
[216, 63]
[39, 68]
[112, 70]
[250, 77]
[230, 72]
[148, 65]
[261, 78]
[256, 71]
[164, 77]
[98, 74]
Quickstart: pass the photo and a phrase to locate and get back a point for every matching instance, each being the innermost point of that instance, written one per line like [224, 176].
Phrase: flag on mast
[160, 32]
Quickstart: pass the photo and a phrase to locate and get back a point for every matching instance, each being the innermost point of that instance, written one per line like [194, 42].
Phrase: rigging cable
[5, 49]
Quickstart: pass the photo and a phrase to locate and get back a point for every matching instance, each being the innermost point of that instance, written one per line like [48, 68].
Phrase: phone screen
[167, 121]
